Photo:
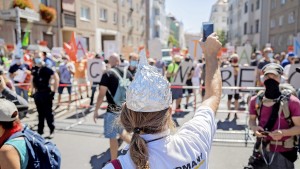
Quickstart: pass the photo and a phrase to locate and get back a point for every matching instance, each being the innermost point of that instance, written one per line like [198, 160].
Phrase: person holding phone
[147, 113]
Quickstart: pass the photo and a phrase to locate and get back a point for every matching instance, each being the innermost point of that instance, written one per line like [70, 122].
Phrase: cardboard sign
[195, 49]
[110, 47]
[294, 76]
[297, 45]
[246, 77]
[154, 47]
[244, 53]
[126, 51]
[228, 79]
[184, 70]
[95, 70]
[21, 75]
[81, 47]
[57, 51]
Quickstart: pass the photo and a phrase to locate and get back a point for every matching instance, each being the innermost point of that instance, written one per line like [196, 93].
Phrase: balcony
[69, 20]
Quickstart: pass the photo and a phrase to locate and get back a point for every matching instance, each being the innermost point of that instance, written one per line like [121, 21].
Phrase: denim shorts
[111, 129]
[177, 93]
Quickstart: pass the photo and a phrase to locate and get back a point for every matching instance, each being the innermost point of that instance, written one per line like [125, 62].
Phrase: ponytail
[139, 152]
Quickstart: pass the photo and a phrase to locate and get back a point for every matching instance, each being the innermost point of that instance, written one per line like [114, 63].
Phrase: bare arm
[9, 158]
[56, 81]
[102, 92]
[213, 81]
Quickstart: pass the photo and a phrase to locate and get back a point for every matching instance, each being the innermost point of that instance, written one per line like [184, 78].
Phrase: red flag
[71, 48]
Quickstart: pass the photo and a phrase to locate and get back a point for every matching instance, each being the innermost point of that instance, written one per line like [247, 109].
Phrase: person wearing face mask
[290, 59]
[133, 62]
[267, 58]
[43, 95]
[66, 71]
[20, 74]
[275, 133]
[255, 58]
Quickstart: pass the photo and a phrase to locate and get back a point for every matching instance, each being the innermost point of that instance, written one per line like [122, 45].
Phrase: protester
[275, 129]
[20, 74]
[43, 96]
[80, 76]
[95, 84]
[124, 62]
[290, 58]
[108, 87]
[133, 62]
[49, 62]
[196, 77]
[151, 61]
[66, 71]
[291, 61]
[203, 78]
[267, 56]
[189, 83]
[234, 59]
[161, 66]
[147, 113]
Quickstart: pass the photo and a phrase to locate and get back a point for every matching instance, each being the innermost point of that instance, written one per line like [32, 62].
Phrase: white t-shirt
[188, 148]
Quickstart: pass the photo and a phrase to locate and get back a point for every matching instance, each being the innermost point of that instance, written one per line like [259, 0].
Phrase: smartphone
[208, 29]
[265, 133]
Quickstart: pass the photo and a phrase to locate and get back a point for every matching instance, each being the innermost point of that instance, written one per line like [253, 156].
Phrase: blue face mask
[37, 61]
[133, 63]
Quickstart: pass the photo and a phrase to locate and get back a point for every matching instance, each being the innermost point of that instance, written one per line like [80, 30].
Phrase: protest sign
[194, 48]
[294, 76]
[244, 53]
[154, 47]
[95, 70]
[21, 75]
[110, 47]
[246, 77]
[227, 79]
[81, 47]
[184, 70]
[57, 51]
[297, 45]
[126, 51]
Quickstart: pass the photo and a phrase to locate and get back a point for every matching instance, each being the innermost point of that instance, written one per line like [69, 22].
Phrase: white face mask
[258, 57]
[270, 55]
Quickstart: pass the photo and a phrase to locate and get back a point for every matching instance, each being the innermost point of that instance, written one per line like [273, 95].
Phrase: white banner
[228, 79]
[154, 47]
[246, 77]
[182, 73]
[95, 70]
[244, 53]
[110, 47]
[294, 76]
[195, 49]
[81, 47]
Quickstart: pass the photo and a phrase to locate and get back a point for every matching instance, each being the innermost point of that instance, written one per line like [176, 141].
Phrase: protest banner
[228, 79]
[244, 53]
[57, 52]
[181, 76]
[154, 47]
[95, 70]
[195, 49]
[297, 45]
[110, 47]
[81, 47]
[294, 76]
[246, 77]
[126, 50]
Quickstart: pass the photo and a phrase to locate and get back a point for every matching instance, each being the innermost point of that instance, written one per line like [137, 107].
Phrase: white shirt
[188, 148]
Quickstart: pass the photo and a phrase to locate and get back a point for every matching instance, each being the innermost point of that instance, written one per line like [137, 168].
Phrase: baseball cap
[291, 54]
[7, 110]
[273, 68]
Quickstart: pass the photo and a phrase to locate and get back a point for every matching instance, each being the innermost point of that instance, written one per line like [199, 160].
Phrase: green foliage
[173, 41]
[222, 37]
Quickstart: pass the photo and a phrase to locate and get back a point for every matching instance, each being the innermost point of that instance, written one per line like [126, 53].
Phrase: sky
[191, 12]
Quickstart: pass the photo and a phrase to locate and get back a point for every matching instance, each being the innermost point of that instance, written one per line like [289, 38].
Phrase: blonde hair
[148, 123]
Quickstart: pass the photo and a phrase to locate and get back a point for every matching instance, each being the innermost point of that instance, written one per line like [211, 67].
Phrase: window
[251, 29]
[103, 14]
[257, 26]
[85, 13]
[291, 18]
[282, 2]
[215, 9]
[224, 19]
[230, 8]
[87, 42]
[245, 28]
[257, 4]
[252, 7]
[273, 23]
[45, 2]
[115, 18]
[273, 4]
[280, 21]
[123, 21]
[123, 2]
[156, 11]
[246, 7]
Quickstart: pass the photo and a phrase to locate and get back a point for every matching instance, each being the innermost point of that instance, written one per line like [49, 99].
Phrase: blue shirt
[285, 62]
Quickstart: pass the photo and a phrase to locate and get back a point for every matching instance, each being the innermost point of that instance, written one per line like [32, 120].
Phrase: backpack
[120, 95]
[43, 154]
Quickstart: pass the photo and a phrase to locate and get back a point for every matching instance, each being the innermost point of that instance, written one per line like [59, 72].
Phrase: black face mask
[177, 63]
[272, 89]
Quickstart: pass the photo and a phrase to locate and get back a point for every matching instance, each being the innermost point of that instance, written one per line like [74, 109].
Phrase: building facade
[284, 23]
[156, 21]
[38, 30]
[219, 15]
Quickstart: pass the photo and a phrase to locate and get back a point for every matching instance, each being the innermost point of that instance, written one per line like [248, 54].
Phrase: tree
[172, 41]
[222, 37]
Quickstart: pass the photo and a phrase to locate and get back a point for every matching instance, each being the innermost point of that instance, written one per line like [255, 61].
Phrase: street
[83, 145]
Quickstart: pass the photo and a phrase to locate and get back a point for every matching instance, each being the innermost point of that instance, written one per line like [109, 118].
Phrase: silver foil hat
[149, 91]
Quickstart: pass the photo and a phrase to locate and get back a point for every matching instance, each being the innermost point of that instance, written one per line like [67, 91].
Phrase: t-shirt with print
[65, 74]
[41, 78]
[294, 107]
[188, 148]
[111, 81]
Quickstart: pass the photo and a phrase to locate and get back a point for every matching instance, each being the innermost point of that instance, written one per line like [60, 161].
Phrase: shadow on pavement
[99, 161]
[81, 113]
[230, 125]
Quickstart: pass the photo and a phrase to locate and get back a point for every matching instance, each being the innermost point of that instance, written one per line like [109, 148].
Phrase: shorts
[61, 88]
[236, 96]
[188, 83]
[81, 81]
[111, 129]
[176, 93]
